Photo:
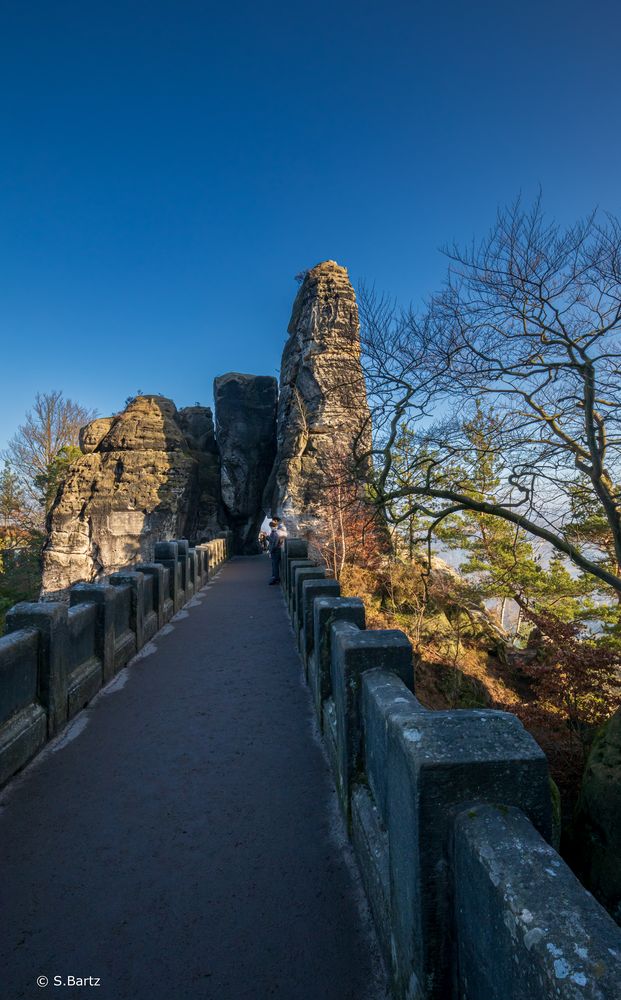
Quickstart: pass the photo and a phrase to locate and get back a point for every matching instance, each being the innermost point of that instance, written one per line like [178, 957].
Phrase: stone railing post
[183, 548]
[310, 590]
[157, 572]
[289, 591]
[326, 611]
[526, 928]
[50, 619]
[134, 580]
[440, 763]
[167, 554]
[23, 722]
[195, 572]
[295, 548]
[303, 574]
[353, 652]
[102, 595]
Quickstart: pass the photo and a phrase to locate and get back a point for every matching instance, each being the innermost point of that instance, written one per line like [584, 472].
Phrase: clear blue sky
[167, 166]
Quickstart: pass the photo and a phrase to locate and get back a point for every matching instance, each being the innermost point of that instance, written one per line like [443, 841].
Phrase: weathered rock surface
[598, 821]
[93, 434]
[246, 433]
[147, 474]
[324, 424]
[205, 513]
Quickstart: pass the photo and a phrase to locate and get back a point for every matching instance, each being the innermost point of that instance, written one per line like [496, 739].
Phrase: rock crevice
[246, 433]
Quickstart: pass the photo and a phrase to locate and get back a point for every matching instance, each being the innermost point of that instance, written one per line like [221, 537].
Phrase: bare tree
[527, 325]
[49, 430]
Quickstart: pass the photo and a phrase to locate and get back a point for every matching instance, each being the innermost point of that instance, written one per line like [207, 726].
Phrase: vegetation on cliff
[36, 462]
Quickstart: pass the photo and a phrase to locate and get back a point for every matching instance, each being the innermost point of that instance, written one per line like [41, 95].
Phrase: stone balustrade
[56, 656]
[450, 818]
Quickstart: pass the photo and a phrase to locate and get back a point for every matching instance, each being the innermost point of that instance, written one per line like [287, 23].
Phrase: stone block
[370, 842]
[203, 564]
[525, 926]
[21, 738]
[135, 581]
[295, 548]
[19, 671]
[183, 560]
[328, 726]
[166, 553]
[157, 573]
[327, 610]
[23, 722]
[438, 764]
[294, 566]
[150, 622]
[50, 619]
[310, 590]
[166, 550]
[103, 596]
[354, 651]
[168, 587]
[84, 667]
[193, 569]
[124, 624]
[303, 574]
[384, 697]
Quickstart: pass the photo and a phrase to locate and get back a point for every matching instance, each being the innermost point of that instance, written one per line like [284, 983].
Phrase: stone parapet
[57, 656]
[450, 818]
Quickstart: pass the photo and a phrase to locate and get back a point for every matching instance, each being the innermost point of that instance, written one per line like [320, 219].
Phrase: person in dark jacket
[276, 545]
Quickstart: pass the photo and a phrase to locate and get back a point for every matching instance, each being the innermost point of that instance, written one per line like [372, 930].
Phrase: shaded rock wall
[147, 474]
[246, 432]
[597, 825]
[323, 414]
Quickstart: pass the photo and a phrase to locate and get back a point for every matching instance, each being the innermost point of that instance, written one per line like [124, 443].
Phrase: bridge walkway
[181, 838]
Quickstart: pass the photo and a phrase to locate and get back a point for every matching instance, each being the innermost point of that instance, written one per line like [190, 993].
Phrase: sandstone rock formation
[323, 415]
[153, 473]
[246, 433]
[205, 516]
[598, 818]
[147, 474]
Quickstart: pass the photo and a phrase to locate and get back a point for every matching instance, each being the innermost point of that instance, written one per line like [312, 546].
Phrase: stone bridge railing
[450, 818]
[55, 656]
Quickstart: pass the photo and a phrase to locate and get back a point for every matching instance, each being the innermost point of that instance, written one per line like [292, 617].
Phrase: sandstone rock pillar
[324, 425]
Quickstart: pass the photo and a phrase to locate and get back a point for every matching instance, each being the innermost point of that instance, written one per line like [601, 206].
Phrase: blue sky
[168, 167]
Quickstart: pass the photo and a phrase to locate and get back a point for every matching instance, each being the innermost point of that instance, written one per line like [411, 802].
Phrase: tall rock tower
[324, 424]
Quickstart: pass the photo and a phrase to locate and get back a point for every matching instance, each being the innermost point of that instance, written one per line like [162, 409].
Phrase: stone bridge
[182, 831]
[182, 816]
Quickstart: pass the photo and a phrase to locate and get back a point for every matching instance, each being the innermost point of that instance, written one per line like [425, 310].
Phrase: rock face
[205, 516]
[598, 819]
[324, 424]
[246, 434]
[147, 474]
[152, 473]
